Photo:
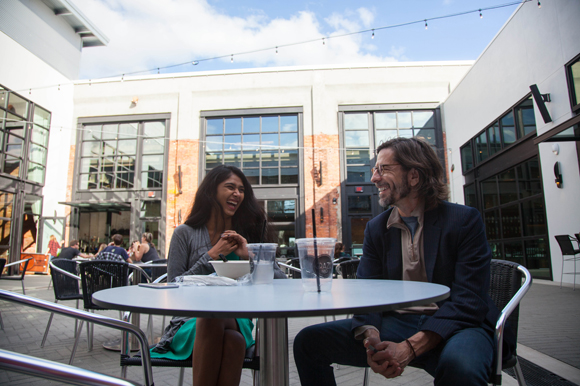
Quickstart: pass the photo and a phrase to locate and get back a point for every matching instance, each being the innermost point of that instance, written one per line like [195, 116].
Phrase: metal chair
[567, 248]
[22, 275]
[156, 272]
[65, 286]
[2, 264]
[348, 268]
[60, 371]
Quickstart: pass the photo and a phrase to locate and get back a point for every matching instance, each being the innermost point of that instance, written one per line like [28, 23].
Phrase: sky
[145, 35]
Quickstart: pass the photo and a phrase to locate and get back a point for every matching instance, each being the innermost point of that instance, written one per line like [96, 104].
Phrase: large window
[6, 203]
[265, 146]
[109, 154]
[508, 129]
[39, 146]
[573, 74]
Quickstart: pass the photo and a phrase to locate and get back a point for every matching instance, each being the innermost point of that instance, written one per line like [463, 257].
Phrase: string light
[276, 50]
[480, 14]
[232, 59]
[426, 24]
[157, 70]
[123, 78]
[323, 43]
[373, 35]
[29, 91]
[195, 62]
[59, 87]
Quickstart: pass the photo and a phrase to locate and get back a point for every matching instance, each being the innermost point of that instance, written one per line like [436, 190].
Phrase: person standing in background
[53, 247]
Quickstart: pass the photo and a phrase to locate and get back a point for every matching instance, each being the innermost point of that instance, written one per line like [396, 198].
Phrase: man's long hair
[413, 153]
[250, 217]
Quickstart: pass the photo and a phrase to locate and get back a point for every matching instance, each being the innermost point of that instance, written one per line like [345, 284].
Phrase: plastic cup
[262, 256]
[313, 271]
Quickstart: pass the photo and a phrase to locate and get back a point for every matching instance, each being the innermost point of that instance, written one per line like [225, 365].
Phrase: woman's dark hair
[413, 153]
[249, 219]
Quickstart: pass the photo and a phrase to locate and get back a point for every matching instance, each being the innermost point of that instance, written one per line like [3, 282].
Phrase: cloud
[146, 34]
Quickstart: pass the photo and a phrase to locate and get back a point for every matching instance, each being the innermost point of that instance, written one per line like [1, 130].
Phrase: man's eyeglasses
[382, 169]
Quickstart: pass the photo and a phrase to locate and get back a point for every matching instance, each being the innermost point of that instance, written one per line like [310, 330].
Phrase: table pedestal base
[274, 340]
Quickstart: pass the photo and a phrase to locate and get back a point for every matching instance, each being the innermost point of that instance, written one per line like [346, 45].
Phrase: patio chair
[156, 272]
[567, 248]
[22, 274]
[507, 291]
[65, 286]
[2, 264]
[60, 370]
[348, 268]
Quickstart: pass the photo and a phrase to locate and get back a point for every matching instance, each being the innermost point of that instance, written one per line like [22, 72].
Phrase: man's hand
[389, 359]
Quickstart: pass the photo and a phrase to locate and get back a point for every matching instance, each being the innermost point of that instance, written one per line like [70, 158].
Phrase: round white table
[272, 304]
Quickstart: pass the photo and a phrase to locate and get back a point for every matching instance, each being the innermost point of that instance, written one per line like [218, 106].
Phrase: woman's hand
[225, 246]
[242, 249]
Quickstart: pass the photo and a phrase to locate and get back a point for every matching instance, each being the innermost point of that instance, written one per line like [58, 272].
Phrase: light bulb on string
[323, 43]
[373, 35]
[426, 24]
[123, 78]
[29, 91]
[480, 14]
[232, 59]
[157, 70]
[59, 87]
[276, 50]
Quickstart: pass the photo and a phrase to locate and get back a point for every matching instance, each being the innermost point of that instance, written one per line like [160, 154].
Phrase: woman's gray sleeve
[201, 266]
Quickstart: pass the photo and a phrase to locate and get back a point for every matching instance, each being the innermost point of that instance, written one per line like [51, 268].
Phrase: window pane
[537, 258]
[251, 142]
[423, 119]
[428, 135]
[529, 178]
[289, 175]
[233, 125]
[270, 142]
[466, 157]
[251, 124]
[492, 224]
[154, 129]
[11, 166]
[212, 160]
[270, 176]
[385, 120]
[6, 200]
[232, 142]
[525, 117]
[489, 193]
[251, 159]
[14, 146]
[510, 221]
[356, 121]
[514, 252]
[89, 165]
[358, 156]
[269, 158]
[357, 230]
[109, 131]
[269, 124]
[575, 72]
[288, 123]
[130, 147]
[37, 154]
[404, 119]
[214, 126]
[469, 193]
[106, 180]
[233, 159]
[150, 209]
[253, 176]
[494, 139]
[481, 147]
[289, 140]
[359, 204]
[40, 135]
[289, 158]
[15, 125]
[281, 210]
[17, 105]
[3, 97]
[36, 173]
[383, 136]
[88, 181]
[125, 172]
[214, 143]
[91, 149]
[109, 147]
[152, 171]
[4, 235]
[358, 174]
[507, 186]
[41, 117]
[107, 165]
[406, 133]
[496, 252]
[508, 129]
[356, 138]
[128, 130]
[92, 132]
[534, 218]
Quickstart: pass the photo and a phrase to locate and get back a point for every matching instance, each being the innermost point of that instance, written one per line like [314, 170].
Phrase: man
[71, 251]
[421, 238]
[115, 251]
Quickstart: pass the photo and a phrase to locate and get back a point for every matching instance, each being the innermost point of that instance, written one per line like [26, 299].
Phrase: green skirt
[182, 344]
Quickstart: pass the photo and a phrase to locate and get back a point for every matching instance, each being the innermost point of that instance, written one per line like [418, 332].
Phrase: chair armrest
[18, 262]
[66, 273]
[506, 312]
[92, 318]
[161, 278]
[55, 371]
[140, 270]
[290, 267]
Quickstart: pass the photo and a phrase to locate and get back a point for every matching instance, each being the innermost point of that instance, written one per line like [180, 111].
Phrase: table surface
[283, 298]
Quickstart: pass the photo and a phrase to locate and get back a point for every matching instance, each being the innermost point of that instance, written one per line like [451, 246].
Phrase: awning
[99, 206]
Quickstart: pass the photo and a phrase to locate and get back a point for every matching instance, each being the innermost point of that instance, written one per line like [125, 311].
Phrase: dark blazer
[457, 255]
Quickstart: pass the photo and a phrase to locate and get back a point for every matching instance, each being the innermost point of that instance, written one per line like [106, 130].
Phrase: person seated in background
[72, 251]
[101, 248]
[132, 249]
[114, 251]
[145, 251]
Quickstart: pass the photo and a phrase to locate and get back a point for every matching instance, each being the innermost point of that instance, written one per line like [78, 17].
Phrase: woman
[145, 251]
[53, 247]
[101, 247]
[224, 217]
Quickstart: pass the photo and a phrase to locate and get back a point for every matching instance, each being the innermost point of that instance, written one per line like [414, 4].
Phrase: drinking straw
[263, 230]
[316, 266]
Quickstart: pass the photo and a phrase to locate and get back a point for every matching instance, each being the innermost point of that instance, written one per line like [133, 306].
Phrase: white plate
[232, 269]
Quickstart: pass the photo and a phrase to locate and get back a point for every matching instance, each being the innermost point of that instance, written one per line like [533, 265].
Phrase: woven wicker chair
[348, 268]
[22, 273]
[567, 248]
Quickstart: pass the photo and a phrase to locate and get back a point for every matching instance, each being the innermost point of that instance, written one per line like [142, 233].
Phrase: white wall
[21, 71]
[532, 48]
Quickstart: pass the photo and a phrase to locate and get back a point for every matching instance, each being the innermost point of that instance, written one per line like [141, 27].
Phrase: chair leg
[48, 328]
[74, 350]
[562, 274]
[366, 378]
[23, 289]
[180, 381]
[519, 374]
[1, 322]
[49, 283]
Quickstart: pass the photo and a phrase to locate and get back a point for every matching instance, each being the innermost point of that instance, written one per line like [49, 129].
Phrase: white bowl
[232, 269]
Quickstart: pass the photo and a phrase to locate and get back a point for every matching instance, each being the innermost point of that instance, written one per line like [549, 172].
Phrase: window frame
[570, 81]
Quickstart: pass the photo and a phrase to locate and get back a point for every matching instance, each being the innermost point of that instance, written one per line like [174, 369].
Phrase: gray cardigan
[188, 252]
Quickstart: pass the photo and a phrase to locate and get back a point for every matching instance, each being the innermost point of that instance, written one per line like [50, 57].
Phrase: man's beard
[395, 193]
